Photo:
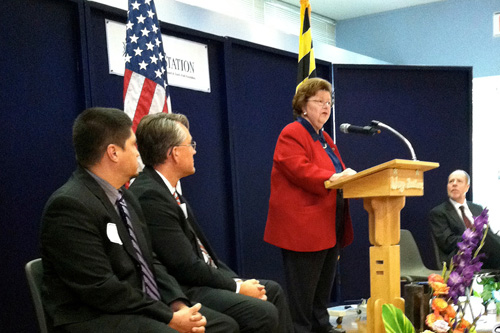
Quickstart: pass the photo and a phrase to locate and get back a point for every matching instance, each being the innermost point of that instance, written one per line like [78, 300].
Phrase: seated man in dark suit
[100, 274]
[167, 150]
[450, 219]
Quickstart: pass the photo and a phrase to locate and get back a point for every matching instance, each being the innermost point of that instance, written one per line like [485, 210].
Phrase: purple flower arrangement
[464, 265]
[467, 261]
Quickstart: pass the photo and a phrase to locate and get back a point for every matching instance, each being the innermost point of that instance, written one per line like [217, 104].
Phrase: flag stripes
[145, 86]
[144, 97]
[307, 64]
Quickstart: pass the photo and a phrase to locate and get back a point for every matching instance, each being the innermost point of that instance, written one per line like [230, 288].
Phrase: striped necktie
[148, 279]
[206, 255]
[467, 222]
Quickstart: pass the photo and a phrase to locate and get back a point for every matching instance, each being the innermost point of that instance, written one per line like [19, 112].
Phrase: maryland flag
[307, 64]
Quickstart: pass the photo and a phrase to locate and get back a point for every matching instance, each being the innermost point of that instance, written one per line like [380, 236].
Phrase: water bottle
[491, 314]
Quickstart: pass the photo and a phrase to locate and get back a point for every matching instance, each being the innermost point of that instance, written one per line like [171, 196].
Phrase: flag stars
[146, 57]
[143, 65]
[135, 5]
[141, 19]
[133, 39]
[138, 51]
[145, 32]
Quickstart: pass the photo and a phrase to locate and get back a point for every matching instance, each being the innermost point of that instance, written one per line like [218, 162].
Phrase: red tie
[176, 196]
[466, 220]
[206, 255]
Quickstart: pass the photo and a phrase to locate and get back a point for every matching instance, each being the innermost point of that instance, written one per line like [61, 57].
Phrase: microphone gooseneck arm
[377, 123]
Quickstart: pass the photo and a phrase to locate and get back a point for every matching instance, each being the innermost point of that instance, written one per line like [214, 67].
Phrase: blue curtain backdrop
[431, 107]
[52, 69]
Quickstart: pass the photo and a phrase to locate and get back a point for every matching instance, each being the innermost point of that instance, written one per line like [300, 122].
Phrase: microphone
[367, 130]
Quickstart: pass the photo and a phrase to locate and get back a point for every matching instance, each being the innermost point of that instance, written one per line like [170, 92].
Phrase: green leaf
[395, 320]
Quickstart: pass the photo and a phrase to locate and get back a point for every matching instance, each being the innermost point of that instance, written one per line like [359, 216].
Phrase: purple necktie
[148, 279]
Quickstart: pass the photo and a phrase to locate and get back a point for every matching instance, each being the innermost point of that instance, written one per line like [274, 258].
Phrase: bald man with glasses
[449, 220]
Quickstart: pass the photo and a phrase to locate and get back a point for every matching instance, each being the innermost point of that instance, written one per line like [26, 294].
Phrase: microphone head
[344, 128]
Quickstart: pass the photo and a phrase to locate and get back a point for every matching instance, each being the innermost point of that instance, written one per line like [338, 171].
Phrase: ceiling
[347, 9]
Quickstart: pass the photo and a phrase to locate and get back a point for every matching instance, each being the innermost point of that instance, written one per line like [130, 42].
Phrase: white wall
[486, 151]
[177, 13]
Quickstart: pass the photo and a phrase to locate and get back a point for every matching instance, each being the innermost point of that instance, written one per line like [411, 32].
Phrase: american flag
[145, 86]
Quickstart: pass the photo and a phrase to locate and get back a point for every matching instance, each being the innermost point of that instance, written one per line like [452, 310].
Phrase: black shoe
[336, 330]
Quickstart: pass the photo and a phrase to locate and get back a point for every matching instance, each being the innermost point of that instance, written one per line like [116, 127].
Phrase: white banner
[187, 61]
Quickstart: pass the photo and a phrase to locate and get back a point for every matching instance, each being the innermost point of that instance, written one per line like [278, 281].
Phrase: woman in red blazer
[308, 222]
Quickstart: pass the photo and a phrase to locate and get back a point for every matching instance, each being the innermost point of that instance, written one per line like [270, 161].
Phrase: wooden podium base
[384, 225]
[384, 189]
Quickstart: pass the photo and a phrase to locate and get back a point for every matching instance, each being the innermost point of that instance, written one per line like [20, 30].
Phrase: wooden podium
[383, 189]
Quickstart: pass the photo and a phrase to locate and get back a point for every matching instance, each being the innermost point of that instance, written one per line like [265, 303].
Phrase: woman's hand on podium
[347, 172]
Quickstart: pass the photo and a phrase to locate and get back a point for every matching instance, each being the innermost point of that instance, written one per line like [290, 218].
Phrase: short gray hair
[157, 133]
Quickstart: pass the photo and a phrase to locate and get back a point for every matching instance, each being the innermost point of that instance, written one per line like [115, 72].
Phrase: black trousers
[492, 250]
[121, 323]
[309, 277]
[252, 315]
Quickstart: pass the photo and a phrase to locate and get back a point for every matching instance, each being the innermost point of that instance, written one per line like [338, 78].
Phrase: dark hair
[96, 128]
[157, 133]
[306, 90]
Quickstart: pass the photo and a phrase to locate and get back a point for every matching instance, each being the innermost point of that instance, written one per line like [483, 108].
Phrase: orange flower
[431, 319]
[439, 288]
[439, 304]
[435, 278]
[463, 324]
[450, 312]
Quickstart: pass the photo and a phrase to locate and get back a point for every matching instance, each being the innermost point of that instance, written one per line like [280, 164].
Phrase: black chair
[412, 266]
[439, 263]
[34, 273]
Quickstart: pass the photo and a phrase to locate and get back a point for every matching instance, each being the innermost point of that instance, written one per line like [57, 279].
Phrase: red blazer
[301, 213]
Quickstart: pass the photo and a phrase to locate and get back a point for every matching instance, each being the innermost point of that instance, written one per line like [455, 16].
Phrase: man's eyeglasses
[321, 103]
[192, 144]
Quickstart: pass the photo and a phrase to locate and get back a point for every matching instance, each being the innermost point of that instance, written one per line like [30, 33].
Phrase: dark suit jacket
[86, 271]
[174, 236]
[447, 227]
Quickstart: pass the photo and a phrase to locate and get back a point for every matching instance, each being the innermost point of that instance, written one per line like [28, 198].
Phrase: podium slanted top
[393, 178]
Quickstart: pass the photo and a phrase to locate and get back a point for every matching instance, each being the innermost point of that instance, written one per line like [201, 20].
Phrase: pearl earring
[305, 113]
